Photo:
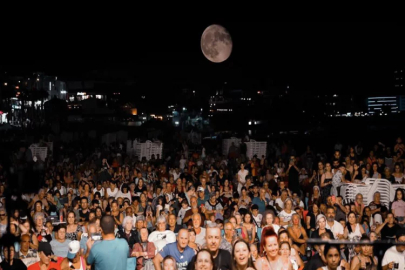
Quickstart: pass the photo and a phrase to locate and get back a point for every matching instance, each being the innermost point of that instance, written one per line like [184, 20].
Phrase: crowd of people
[206, 211]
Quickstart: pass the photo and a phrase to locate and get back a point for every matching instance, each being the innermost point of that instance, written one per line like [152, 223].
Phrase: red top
[36, 266]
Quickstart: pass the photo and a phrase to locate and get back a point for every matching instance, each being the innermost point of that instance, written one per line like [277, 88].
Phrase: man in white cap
[74, 259]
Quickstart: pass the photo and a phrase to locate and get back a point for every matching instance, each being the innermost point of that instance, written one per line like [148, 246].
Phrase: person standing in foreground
[109, 253]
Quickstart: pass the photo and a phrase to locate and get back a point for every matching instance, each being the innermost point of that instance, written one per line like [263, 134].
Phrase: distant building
[383, 104]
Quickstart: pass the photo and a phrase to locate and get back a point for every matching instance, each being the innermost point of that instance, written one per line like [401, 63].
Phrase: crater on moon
[216, 43]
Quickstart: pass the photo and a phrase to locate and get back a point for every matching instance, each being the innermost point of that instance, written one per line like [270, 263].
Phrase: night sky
[310, 56]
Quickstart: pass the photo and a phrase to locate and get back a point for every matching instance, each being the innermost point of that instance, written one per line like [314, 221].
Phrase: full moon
[216, 43]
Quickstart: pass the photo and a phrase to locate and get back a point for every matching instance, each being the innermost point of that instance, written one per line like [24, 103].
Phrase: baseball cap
[378, 218]
[45, 247]
[200, 189]
[74, 247]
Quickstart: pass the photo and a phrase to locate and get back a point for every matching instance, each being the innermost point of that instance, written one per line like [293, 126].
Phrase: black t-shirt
[314, 263]
[223, 260]
[140, 190]
[84, 215]
[293, 183]
[388, 232]
[17, 265]
[315, 234]
[177, 228]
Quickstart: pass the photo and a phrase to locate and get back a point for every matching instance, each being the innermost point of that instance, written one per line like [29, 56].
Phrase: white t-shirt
[286, 216]
[258, 219]
[124, 195]
[336, 228]
[392, 255]
[101, 191]
[279, 202]
[182, 163]
[176, 175]
[62, 190]
[112, 193]
[242, 175]
[200, 238]
[161, 239]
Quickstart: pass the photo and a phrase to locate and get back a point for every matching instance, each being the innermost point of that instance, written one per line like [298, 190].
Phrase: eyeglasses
[2, 215]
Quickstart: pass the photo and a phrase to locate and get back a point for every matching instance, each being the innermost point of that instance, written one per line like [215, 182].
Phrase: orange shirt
[36, 266]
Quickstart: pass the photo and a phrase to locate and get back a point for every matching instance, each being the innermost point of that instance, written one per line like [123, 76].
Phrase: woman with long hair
[250, 228]
[316, 196]
[254, 253]
[285, 251]
[140, 188]
[124, 193]
[240, 231]
[398, 174]
[38, 209]
[73, 230]
[191, 242]
[298, 234]
[268, 220]
[116, 214]
[333, 258]
[244, 199]
[284, 236]
[204, 260]
[398, 206]
[142, 204]
[356, 176]
[241, 256]
[310, 219]
[270, 249]
[169, 263]
[242, 173]
[321, 228]
[374, 171]
[326, 182]
[353, 232]
[364, 260]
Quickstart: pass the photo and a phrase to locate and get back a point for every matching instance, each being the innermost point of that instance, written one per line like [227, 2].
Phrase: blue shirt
[260, 203]
[182, 259]
[109, 254]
